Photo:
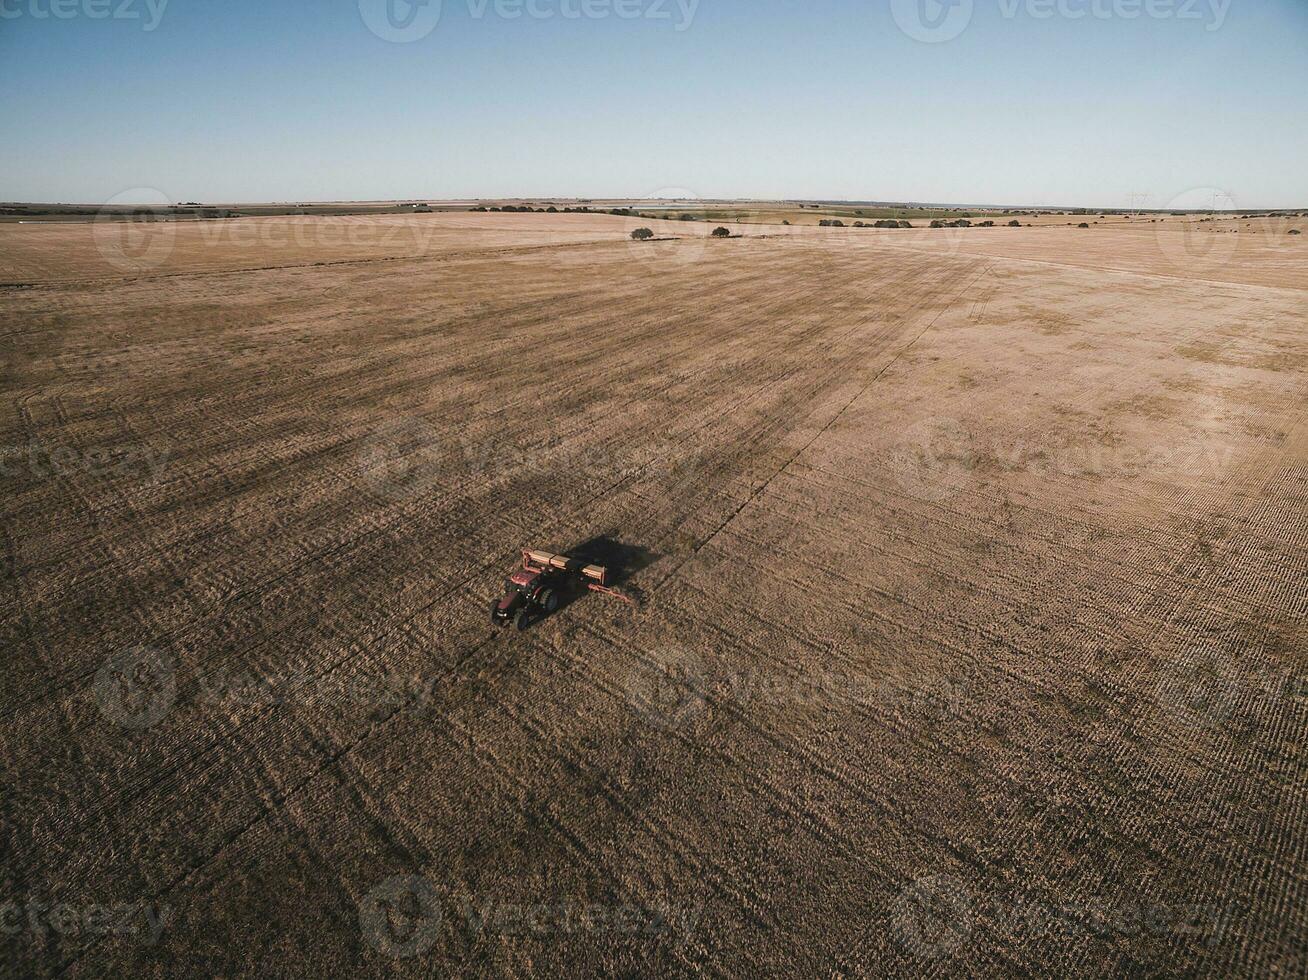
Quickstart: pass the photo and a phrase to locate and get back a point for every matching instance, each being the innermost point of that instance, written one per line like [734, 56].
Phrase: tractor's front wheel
[495, 612]
[521, 620]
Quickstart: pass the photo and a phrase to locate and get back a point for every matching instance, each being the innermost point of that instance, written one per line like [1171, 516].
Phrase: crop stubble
[980, 565]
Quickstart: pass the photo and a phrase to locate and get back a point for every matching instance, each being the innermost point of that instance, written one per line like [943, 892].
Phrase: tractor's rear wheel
[521, 620]
[549, 601]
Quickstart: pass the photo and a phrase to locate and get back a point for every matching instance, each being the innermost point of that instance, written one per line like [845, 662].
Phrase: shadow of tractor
[621, 560]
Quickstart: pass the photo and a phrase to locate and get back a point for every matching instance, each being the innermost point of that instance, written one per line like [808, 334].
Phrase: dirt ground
[974, 580]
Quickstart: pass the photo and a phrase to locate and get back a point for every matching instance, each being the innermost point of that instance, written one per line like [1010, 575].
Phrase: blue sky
[1033, 101]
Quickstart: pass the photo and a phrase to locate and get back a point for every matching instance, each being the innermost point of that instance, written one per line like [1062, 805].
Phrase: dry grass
[973, 638]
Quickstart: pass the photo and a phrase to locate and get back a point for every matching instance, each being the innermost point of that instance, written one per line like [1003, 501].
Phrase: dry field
[974, 569]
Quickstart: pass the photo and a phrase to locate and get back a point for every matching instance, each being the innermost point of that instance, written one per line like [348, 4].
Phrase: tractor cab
[524, 579]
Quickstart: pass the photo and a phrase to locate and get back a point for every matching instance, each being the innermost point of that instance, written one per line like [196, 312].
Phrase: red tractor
[543, 581]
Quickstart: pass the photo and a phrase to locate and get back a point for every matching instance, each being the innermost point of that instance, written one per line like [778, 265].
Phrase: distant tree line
[884, 223]
[528, 209]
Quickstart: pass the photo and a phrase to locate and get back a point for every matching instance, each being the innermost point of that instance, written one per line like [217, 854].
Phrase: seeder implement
[544, 579]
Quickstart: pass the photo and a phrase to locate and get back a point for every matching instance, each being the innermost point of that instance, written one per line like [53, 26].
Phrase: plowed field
[973, 571]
